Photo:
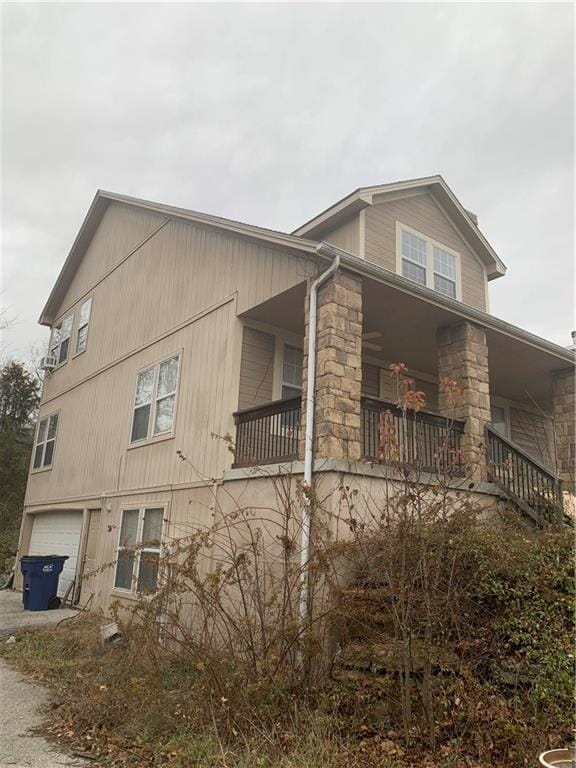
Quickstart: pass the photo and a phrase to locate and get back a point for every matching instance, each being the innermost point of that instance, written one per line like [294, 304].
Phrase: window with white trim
[428, 263]
[45, 442]
[83, 322]
[60, 339]
[139, 546]
[414, 259]
[500, 419]
[292, 363]
[155, 401]
[444, 272]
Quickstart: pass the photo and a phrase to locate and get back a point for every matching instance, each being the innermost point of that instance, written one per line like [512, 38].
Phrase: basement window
[45, 442]
[431, 264]
[155, 401]
[139, 546]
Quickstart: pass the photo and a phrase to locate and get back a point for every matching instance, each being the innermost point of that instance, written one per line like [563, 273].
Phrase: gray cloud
[268, 113]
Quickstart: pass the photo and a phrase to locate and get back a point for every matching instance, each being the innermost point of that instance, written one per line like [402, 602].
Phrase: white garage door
[58, 533]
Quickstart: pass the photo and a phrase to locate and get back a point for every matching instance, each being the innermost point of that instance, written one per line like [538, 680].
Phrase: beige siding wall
[256, 368]
[180, 292]
[370, 380]
[423, 214]
[93, 455]
[534, 433]
[182, 270]
[345, 236]
[122, 229]
[377, 382]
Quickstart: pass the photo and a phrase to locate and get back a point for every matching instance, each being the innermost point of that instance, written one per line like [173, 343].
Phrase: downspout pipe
[309, 426]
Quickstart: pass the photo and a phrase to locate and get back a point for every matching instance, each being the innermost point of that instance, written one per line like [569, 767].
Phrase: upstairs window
[292, 372]
[444, 272]
[139, 548]
[155, 401]
[414, 260]
[45, 442]
[83, 322]
[60, 339]
[427, 263]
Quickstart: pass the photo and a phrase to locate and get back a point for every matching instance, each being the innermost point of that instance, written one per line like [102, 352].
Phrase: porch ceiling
[286, 310]
[407, 326]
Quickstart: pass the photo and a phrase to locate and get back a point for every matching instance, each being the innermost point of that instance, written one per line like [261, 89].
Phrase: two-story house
[171, 329]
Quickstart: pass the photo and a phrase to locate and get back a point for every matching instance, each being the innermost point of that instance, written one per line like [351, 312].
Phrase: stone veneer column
[463, 357]
[338, 369]
[563, 406]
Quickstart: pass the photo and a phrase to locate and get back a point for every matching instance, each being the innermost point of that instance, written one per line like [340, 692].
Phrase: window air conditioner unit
[48, 363]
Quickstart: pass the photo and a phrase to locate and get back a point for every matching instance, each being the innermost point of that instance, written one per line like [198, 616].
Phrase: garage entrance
[58, 533]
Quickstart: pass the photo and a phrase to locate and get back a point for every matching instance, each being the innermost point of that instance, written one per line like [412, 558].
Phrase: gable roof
[304, 239]
[437, 187]
[96, 212]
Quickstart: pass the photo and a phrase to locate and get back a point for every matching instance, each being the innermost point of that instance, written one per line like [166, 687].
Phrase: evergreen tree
[19, 395]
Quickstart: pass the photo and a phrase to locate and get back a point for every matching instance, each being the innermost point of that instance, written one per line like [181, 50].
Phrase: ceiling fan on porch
[368, 343]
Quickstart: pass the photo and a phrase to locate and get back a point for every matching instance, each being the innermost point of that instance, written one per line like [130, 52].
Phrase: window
[139, 547]
[292, 372]
[413, 258]
[60, 339]
[82, 330]
[155, 401]
[45, 440]
[427, 263]
[444, 272]
[499, 420]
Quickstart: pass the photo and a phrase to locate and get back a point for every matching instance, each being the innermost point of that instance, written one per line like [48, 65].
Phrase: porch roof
[406, 317]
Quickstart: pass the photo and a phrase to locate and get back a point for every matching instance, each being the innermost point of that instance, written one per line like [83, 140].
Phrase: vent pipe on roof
[309, 431]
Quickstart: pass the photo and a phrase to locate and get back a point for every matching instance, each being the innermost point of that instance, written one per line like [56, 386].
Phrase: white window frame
[138, 549]
[150, 436]
[55, 351]
[44, 467]
[429, 268]
[283, 382]
[500, 402]
[84, 325]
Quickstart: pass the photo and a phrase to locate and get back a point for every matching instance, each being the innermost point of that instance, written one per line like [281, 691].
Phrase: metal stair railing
[524, 480]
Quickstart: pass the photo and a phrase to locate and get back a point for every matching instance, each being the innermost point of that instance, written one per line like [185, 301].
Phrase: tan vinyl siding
[431, 394]
[121, 230]
[533, 433]
[180, 292]
[256, 368]
[180, 271]
[389, 390]
[422, 214]
[345, 236]
[93, 453]
[370, 380]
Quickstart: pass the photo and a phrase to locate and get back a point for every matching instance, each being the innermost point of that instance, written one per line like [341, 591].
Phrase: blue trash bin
[41, 574]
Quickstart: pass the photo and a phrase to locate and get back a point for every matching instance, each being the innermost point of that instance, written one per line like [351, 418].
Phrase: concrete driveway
[14, 619]
[21, 703]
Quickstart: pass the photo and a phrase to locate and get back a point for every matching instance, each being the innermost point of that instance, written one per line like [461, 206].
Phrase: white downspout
[309, 432]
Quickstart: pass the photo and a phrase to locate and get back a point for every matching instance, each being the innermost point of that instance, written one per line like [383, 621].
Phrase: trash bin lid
[44, 557]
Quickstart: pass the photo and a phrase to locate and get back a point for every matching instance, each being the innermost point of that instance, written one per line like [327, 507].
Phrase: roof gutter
[309, 428]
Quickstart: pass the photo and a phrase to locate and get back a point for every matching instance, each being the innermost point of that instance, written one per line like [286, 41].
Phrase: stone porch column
[463, 357]
[338, 369]
[563, 407]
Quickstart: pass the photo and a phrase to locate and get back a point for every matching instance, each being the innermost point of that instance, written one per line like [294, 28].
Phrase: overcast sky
[270, 113]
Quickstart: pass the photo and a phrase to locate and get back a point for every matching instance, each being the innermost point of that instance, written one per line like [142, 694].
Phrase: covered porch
[512, 421]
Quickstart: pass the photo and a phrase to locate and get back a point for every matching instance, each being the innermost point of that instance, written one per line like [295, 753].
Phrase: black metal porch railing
[423, 440]
[532, 486]
[268, 433]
